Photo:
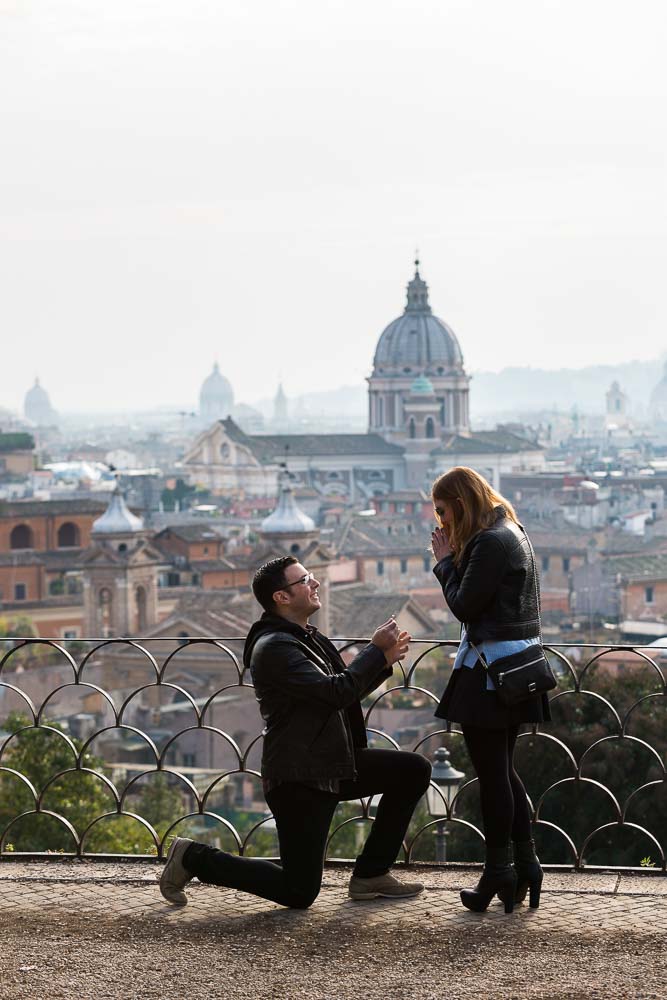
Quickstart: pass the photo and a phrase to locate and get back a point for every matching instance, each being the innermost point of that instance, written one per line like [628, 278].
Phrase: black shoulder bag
[524, 675]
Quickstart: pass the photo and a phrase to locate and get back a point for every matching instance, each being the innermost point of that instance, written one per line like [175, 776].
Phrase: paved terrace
[83, 929]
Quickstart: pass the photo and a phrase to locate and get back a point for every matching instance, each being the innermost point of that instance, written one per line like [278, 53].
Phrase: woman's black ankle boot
[528, 871]
[498, 878]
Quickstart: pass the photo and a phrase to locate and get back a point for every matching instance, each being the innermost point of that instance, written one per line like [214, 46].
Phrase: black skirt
[467, 701]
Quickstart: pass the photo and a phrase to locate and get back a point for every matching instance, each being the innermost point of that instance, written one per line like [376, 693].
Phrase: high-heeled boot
[528, 871]
[498, 877]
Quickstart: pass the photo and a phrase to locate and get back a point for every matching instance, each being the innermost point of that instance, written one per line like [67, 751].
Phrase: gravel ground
[108, 958]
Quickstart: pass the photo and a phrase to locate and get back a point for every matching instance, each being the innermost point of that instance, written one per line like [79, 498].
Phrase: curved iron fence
[110, 746]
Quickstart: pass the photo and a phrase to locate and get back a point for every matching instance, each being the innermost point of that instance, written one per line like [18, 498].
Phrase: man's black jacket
[309, 699]
[493, 590]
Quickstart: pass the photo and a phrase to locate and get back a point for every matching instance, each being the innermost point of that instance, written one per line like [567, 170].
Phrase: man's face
[300, 593]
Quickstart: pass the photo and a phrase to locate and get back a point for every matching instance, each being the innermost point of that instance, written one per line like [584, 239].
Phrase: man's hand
[386, 635]
[391, 640]
[440, 544]
[399, 649]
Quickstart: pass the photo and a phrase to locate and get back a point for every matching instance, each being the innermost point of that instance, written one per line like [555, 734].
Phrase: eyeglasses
[308, 578]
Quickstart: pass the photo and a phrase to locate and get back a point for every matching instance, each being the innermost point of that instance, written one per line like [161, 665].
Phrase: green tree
[77, 796]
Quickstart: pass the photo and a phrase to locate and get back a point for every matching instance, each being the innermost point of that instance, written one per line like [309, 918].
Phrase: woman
[486, 567]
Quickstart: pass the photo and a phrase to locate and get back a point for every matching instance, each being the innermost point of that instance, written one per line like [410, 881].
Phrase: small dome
[287, 519]
[422, 386]
[117, 519]
[417, 340]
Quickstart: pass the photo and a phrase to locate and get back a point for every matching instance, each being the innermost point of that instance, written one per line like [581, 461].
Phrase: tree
[78, 796]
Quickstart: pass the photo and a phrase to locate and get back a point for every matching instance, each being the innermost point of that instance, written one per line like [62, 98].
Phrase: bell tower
[119, 574]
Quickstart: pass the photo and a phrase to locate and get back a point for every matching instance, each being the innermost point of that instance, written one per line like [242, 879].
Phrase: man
[315, 754]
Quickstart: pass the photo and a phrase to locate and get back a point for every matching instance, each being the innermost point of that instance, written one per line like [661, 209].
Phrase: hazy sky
[246, 181]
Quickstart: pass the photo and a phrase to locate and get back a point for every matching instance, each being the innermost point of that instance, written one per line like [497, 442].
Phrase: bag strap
[479, 655]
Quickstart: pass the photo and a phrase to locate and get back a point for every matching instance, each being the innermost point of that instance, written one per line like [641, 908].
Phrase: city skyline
[248, 185]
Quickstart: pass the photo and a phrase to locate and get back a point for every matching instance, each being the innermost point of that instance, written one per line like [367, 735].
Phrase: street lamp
[447, 779]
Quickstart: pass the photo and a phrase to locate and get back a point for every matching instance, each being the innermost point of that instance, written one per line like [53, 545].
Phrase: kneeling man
[315, 754]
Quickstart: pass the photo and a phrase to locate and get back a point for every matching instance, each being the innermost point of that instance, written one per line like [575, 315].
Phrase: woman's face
[444, 512]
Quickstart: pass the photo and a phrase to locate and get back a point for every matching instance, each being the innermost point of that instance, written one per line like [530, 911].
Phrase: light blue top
[492, 649]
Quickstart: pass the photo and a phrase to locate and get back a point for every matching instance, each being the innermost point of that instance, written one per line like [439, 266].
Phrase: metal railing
[110, 746]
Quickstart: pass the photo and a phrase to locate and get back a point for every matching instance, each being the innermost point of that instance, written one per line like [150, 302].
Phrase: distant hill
[521, 389]
[351, 400]
[510, 391]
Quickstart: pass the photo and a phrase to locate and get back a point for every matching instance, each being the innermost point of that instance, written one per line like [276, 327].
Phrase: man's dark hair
[269, 578]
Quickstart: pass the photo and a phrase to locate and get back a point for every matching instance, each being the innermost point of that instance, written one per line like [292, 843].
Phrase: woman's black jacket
[493, 590]
[309, 700]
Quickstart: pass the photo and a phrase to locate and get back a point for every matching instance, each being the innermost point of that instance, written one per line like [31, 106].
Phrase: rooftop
[271, 447]
[485, 443]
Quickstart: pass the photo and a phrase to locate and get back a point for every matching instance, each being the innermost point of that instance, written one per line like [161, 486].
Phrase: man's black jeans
[303, 816]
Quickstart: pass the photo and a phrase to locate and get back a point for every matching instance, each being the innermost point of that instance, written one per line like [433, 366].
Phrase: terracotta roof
[642, 567]
[192, 532]
[360, 536]
[357, 610]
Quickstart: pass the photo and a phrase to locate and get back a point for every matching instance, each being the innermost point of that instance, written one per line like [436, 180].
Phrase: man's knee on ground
[302, 899]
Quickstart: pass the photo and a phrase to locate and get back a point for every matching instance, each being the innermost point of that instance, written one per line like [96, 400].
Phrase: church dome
[417, 340]
[216, 396]
[37, 405]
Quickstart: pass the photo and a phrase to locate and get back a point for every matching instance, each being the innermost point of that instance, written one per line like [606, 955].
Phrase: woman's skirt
[467, 701]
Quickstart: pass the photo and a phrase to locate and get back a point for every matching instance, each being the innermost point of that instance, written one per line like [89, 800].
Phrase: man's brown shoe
[383, 885]
[174, 874]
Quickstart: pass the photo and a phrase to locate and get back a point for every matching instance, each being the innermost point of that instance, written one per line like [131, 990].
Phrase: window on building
[545, 564]
[566, 564]
[189, 760]
[389, 529]
[20, 591]
[404, 565]
[413, 431]
[21, 537]
[408, 528]
[206, 550]
[379, 568]
[196, 579]
[430, 428]
[427, 564]
[173, 579]
[68, 536]
[182, 638]
[648, 594]
[70, 633]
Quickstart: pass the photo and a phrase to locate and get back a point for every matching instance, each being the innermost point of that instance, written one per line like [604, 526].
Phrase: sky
[247, 180]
